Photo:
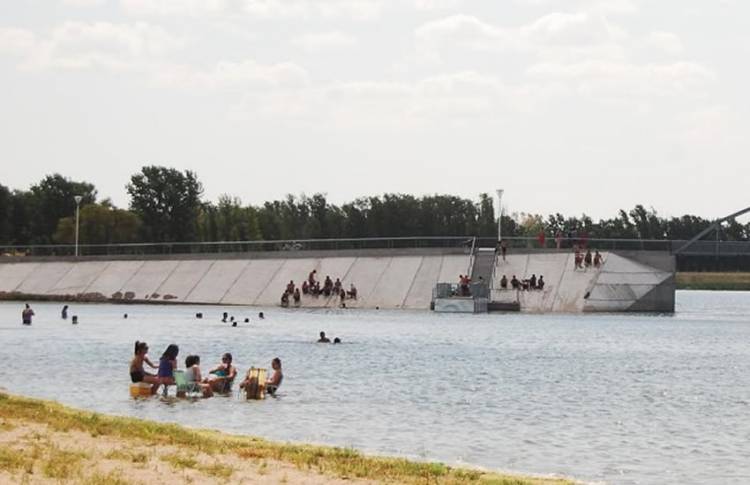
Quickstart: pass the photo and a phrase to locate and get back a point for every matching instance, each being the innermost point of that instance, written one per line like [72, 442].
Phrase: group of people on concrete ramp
[312, 287]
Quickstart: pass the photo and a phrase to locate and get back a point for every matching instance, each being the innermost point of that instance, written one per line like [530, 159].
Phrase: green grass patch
[15, 460]
[62, 464]
[180, 460]
[111, 478]
[129, 456]
[332, 461]
[218, 470]
[714, 281]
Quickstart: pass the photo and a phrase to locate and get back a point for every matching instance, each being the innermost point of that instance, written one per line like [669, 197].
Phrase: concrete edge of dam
[628, 281]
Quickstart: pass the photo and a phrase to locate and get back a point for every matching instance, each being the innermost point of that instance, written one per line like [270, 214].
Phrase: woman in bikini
[137, 374]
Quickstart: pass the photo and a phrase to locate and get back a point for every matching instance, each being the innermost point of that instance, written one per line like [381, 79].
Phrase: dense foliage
[166, 205]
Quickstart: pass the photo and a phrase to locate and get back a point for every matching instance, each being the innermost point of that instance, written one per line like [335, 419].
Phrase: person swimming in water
[323, 339]
[137, 374]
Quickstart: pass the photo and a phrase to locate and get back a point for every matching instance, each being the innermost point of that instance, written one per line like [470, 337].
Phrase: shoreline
[713, 281]
[47, 442]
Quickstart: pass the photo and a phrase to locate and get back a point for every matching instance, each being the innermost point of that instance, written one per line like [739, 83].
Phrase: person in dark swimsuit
[167, 366]
[137, 374]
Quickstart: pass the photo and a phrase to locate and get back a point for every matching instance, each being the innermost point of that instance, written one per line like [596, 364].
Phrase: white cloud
[83, 3]
[324, 41]
[247, 74]
[666, 42]
[16, 41]
[355, 9]
[81, 45]
[463, 32]
[571, 28]
[193, 8]
[626, 80]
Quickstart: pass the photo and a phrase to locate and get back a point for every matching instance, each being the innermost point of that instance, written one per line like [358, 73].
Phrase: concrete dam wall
[636, 281]
[403, 281]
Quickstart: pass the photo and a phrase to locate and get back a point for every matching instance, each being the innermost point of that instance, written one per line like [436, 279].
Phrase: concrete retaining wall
[398, 281]
[633, 281]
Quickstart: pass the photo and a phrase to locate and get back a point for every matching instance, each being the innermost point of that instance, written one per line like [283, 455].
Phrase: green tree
[168, 202]
[6, 211]
[100, 224]
[52, 199]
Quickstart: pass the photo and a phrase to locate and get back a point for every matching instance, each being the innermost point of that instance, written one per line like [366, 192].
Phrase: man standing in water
[26, 315]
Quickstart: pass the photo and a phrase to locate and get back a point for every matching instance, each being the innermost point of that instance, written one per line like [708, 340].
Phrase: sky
[570, 106]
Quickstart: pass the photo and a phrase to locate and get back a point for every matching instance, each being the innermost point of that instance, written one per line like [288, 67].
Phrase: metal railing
[289, 245]
[468, 244]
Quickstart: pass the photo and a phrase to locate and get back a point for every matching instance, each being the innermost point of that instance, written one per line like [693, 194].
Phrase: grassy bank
[713, 281]
[45, 442]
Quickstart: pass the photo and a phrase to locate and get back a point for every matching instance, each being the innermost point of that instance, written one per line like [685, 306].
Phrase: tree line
[167, 205]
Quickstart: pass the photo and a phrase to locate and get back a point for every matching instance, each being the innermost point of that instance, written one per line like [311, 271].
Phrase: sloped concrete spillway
[381, 281]
[637, 281]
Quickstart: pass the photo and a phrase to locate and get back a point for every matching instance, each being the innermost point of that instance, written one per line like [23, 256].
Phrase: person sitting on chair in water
[323, 339]
[137, 374]
[222, 375]
[193, 376]
[167, 366]
[272, 384]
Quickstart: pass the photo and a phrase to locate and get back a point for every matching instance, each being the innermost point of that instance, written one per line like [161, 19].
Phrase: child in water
[167, 366]
[193, 376]
[137, 374]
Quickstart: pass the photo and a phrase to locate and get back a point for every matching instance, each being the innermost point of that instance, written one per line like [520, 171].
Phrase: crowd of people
[585, 260]
[218, 380]
[526, 284]
[312, 287]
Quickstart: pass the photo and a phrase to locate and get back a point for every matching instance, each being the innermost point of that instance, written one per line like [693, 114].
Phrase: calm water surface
[605, 398]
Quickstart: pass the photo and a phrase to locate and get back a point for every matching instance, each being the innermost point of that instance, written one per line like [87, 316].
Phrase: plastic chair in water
[255, 383]
[185, 388]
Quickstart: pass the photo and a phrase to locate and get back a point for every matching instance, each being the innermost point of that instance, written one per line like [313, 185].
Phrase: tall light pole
[499, 215]
[78, 199]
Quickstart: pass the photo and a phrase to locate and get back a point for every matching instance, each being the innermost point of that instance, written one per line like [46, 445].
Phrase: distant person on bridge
[503, 249]
[541, 238]
[597, 259]
[588, 259]
[514, 283]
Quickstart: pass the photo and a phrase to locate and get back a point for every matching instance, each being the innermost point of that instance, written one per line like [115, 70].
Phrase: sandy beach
[44, 442]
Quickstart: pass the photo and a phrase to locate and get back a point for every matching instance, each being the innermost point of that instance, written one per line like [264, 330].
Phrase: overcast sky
[571, 106]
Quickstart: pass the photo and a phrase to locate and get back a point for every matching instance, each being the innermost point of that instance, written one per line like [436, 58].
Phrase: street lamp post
[499, 215]
[78, 199]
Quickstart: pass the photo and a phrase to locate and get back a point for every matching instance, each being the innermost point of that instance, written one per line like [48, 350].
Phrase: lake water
[603, 398]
